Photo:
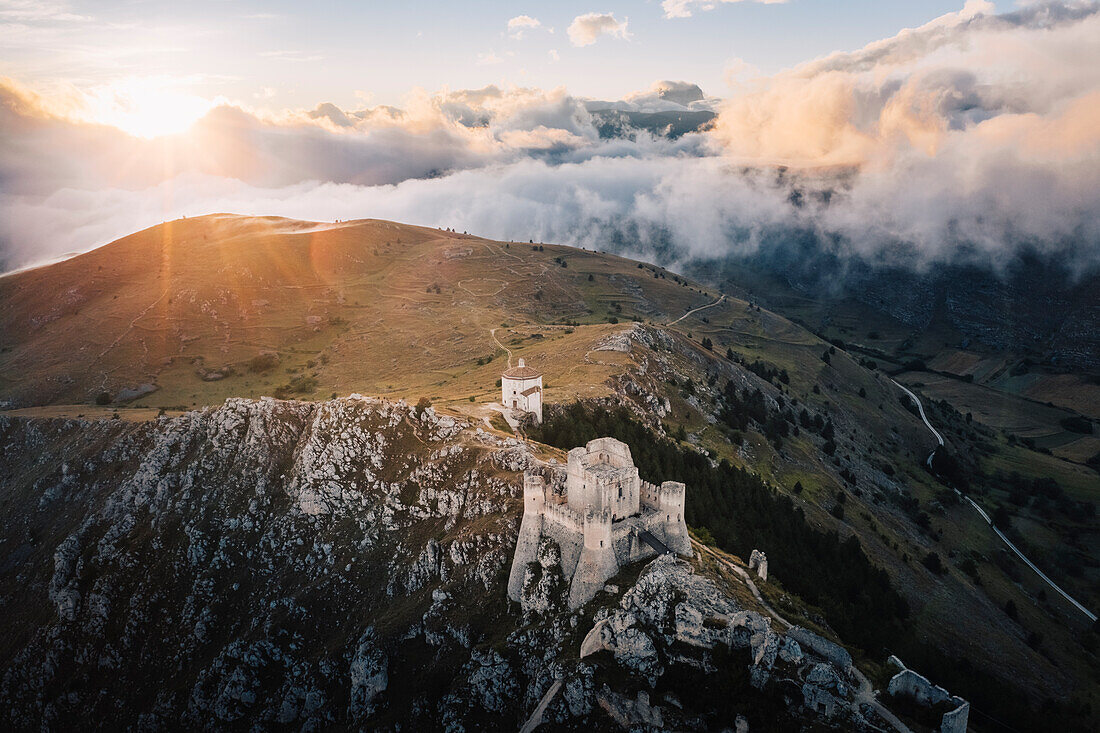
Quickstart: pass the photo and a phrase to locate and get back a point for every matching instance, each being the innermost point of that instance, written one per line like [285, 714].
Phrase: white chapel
[521, 390]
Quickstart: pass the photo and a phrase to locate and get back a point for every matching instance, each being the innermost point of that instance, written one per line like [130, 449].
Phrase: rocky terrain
[343, 564]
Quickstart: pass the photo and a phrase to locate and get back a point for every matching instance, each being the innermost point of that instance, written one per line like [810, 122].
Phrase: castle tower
[521, 389]
[530, 532]
[670, 511]
[597, 563]
[602, 475]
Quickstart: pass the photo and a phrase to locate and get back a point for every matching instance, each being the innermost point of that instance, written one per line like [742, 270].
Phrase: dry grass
[366, 306]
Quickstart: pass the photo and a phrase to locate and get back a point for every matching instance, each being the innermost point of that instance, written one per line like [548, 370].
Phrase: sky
[899, 132]
[280, 54]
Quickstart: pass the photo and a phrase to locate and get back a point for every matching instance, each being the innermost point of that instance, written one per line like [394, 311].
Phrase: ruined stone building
[916, 687]
[521, 390]
[601, 515]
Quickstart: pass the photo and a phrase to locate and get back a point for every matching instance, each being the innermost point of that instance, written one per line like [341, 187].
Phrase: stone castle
[603, 517]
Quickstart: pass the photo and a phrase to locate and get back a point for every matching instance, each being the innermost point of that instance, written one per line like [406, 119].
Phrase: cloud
[488, 59]
[686, 8]
[662, 96]
[521, 23]
[35, 11]
[975, 135]
[586, 29]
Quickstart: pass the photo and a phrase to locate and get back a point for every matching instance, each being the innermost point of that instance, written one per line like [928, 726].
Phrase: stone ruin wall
[916, 686]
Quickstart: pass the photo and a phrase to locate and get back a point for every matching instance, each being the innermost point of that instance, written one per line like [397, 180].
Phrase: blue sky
[296, 54]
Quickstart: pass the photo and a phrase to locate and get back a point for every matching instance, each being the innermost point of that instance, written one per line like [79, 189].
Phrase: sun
[146, 108]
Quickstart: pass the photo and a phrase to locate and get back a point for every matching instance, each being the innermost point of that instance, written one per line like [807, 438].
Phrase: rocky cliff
[343, 564]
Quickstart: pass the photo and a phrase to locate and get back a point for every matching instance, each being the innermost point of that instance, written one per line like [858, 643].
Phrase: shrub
[263, 362]
[1077, 424]
[933, 562]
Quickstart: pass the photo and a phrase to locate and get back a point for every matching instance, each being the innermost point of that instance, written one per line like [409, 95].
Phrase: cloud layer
[971, 136]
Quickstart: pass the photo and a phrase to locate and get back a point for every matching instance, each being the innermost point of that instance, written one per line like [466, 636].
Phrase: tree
[422, 404]
[707, 344]
[1010, 609]
[103, 398]
[729, 355]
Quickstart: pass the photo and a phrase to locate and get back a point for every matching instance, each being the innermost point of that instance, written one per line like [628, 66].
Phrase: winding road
[988, 520]
[696, 310]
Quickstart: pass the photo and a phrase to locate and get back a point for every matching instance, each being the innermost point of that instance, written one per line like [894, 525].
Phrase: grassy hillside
[217, 306]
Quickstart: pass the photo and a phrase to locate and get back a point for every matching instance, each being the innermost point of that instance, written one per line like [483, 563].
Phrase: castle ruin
[602, 516]
[916, 687]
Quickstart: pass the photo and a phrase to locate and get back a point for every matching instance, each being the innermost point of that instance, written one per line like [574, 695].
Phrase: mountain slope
[218, 307]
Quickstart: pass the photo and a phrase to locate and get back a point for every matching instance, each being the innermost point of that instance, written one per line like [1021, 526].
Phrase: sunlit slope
[372, 306]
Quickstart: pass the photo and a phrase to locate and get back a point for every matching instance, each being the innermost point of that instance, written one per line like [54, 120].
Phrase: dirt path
[865, 694]
[536, 716]
[743, 574]
[696, 310]
[130, 327]
[493, 333]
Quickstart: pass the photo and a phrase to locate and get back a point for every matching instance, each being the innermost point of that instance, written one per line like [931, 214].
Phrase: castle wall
[597, 563]
[575, 489]
[527, 551]
[565, 528]
[917, 687]
[670, 501]
[617, 491]
[609, 450]
[956, 720]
